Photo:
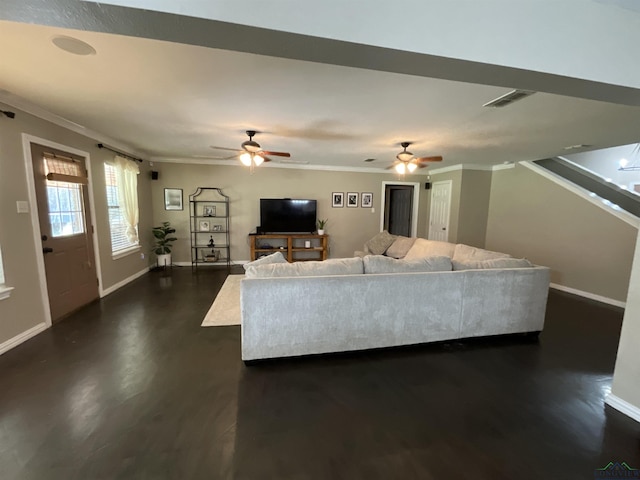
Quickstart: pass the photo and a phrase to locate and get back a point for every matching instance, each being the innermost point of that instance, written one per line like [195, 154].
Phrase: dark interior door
[398, 209]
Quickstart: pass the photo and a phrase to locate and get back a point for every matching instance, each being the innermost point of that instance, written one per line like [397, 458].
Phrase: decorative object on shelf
[173, 199]
[163, 243]
[251, 153]
[337, 199]
[209, 202]
[307, 244]
[211, 256]
[352, 199]
[366, 200]
[321, 224]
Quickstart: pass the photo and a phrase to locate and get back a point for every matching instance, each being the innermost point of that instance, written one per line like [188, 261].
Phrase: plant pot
[163, 260]
[321, 232]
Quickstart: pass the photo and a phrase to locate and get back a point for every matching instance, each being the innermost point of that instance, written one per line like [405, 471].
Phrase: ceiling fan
[251, 153]
[408, 162]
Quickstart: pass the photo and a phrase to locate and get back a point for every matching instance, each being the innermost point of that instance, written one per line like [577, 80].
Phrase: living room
[504, 207]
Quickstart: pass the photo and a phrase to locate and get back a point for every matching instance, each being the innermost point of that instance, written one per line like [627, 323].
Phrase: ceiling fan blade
[276, 154]
[225, 148]
[428, 159]
[266, 159]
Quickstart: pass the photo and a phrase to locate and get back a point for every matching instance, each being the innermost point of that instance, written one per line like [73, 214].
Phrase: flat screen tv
[287, 215]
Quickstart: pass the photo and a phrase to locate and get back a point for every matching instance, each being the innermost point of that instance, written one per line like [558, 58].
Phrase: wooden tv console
[291, 246]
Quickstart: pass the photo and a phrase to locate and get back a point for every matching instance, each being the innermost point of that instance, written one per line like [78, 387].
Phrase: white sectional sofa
[350, 304]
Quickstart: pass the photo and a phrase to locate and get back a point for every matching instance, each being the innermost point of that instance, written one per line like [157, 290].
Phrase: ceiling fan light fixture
[257, 159]
[245, 158]
[251, 146]
[404, 156]
[401, 168]
[411, 166]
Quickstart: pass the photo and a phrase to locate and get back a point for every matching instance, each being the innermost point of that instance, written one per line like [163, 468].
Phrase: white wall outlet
[22, 206]
[373, 210]
[142, 256]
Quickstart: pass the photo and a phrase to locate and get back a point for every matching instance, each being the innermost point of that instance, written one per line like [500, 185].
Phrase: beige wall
[626, 377]
[25, 308]
[348, 228]
[586, 247]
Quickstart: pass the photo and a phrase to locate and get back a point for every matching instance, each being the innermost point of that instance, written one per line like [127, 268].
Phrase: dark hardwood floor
[131, 387]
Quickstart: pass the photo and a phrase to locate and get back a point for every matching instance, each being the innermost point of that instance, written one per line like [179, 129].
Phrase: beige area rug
[225, 309]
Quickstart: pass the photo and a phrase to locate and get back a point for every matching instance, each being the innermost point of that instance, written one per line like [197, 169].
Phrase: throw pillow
[383, 264]
[400, 247]
[429, 248]
[379, 244]
[276, 257]
[507, 262]
[334, 266]
[464, 253]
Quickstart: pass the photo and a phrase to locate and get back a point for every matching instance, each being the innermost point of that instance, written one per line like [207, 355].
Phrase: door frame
[414, 212]
[27, 140]
[441, 182]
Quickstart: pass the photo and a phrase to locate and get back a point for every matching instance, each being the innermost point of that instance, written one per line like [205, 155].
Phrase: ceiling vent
[508, 98]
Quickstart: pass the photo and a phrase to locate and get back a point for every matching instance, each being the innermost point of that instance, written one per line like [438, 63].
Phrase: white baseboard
[122, 283]
[590, 296]
[22, 337]
[623, 406]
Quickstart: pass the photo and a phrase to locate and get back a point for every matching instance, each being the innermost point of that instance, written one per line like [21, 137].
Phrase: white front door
[439, 212]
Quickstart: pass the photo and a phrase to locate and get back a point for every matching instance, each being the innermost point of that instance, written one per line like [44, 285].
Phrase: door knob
[44, 238]
[47, 249]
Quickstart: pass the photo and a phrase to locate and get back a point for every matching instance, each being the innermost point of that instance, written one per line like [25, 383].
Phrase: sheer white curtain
[127, 176]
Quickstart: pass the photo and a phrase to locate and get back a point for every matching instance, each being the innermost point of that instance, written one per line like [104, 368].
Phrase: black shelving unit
[209, 225]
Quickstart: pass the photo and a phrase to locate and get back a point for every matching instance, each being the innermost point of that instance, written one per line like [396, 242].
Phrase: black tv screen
[287, 215]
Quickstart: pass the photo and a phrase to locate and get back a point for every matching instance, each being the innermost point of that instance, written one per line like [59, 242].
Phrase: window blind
[117, 225]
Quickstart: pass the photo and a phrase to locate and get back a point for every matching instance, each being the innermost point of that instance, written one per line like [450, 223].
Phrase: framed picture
[173, 199]
[337, 199]
[209, 211]
[204, 226]
[352, 199]
[217, 228]
[366, 200]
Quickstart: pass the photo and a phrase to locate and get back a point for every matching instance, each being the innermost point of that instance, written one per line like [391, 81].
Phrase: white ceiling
[172, 100]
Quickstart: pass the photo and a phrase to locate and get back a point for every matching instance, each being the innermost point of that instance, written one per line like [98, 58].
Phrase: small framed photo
[352, 199]
[173, 199]
[204, 226]
[217, 228]
[337, 199]
[366, 200]
[209, 211]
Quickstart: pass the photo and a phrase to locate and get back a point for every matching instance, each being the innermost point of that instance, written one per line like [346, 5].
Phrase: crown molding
[326, 168]
[27, 107]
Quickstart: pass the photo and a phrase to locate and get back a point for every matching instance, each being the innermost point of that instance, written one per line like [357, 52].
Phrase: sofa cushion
[465, 253]
[334, 266]
[384, 264]
[429, 248]
[400, 247]
[267, 259]
[379, 244]
[505, 262]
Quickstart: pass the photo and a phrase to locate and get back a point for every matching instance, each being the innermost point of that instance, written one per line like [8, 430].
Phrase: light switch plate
[22, 206]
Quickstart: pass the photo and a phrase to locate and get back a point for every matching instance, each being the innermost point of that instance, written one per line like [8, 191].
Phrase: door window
[66, 216]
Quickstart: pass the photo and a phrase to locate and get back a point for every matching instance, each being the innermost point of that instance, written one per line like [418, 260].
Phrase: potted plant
[162, 247]
[321, 224]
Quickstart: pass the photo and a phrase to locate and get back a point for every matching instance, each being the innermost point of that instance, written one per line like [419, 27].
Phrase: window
[121, 238]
